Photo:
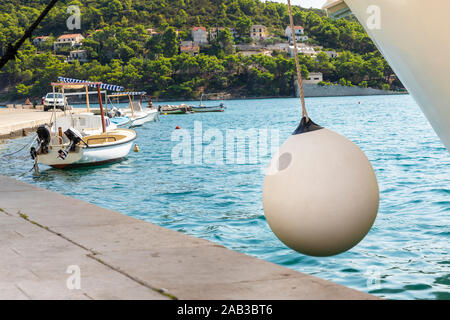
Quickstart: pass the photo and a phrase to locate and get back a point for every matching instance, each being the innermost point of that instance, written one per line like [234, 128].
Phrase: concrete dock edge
[19, 122]
[43, 234]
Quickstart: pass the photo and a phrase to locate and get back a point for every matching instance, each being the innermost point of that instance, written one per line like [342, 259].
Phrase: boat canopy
[123, 94]
[67, 85]
[104, 86]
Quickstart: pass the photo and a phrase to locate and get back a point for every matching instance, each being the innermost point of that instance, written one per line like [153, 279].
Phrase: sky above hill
[306, 3]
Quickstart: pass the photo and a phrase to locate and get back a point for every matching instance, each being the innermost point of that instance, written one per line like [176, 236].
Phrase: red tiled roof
[68, 36]
[194, 48]
[297, 27]
[199, 28]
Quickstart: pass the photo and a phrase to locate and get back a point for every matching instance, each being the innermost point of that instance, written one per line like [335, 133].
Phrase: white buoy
[320, 193]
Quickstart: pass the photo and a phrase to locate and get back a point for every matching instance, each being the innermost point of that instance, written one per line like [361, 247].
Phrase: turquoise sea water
[405, 255]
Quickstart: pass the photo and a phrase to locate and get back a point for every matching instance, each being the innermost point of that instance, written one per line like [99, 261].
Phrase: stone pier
[43, 235]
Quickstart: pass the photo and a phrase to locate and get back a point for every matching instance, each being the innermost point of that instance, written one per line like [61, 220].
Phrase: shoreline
[15, 123]
[4, 104]
[280, 97]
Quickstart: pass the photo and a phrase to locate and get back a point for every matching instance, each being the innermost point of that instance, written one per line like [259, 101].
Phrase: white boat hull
[122, 124]
[142, 117]
[105, 154]
[208, 109]
[412, 38]
[84, 156]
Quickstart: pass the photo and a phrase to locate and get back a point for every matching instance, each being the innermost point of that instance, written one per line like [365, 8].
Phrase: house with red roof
[72, 40]
[192, 50]
[299, 32]
[199, 35]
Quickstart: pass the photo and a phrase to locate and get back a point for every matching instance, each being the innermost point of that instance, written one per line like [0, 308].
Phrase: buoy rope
[297, 64]
[34, 167]
[22, 148]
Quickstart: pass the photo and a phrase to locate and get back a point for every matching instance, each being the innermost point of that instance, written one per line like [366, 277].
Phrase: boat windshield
[54, 96]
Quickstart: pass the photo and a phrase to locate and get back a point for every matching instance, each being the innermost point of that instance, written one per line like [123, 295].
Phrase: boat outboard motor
[75, 137]
[43, 133]
[114, 112]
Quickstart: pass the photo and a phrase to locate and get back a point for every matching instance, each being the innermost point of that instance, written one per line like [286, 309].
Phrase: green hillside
[121, 50]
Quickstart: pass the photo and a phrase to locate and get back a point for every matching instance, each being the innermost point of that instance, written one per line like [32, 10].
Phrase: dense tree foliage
[121, 50]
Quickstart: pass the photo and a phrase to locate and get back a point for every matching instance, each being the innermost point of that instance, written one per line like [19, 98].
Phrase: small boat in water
[202, 108]
[219, 108]
[141, 117]
[72, 148]
[136, 113]
[118, 118]
[121, 121]
[174, 109]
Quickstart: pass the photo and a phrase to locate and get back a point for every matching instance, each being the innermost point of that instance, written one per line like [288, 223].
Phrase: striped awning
[104, 86]
[128, 94]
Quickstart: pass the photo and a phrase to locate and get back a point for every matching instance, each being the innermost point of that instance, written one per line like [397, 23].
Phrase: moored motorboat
[136, 113]
[121, 121]
[202, 108]
[73, 148]
[174, 109]
[118, 118]
[142, 117]
[219, 108]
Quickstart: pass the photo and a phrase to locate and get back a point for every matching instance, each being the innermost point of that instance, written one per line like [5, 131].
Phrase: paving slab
[54, 209]
[129, 236]
[34, 263]
[43, 232]
[9, 291]
[291, 288]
